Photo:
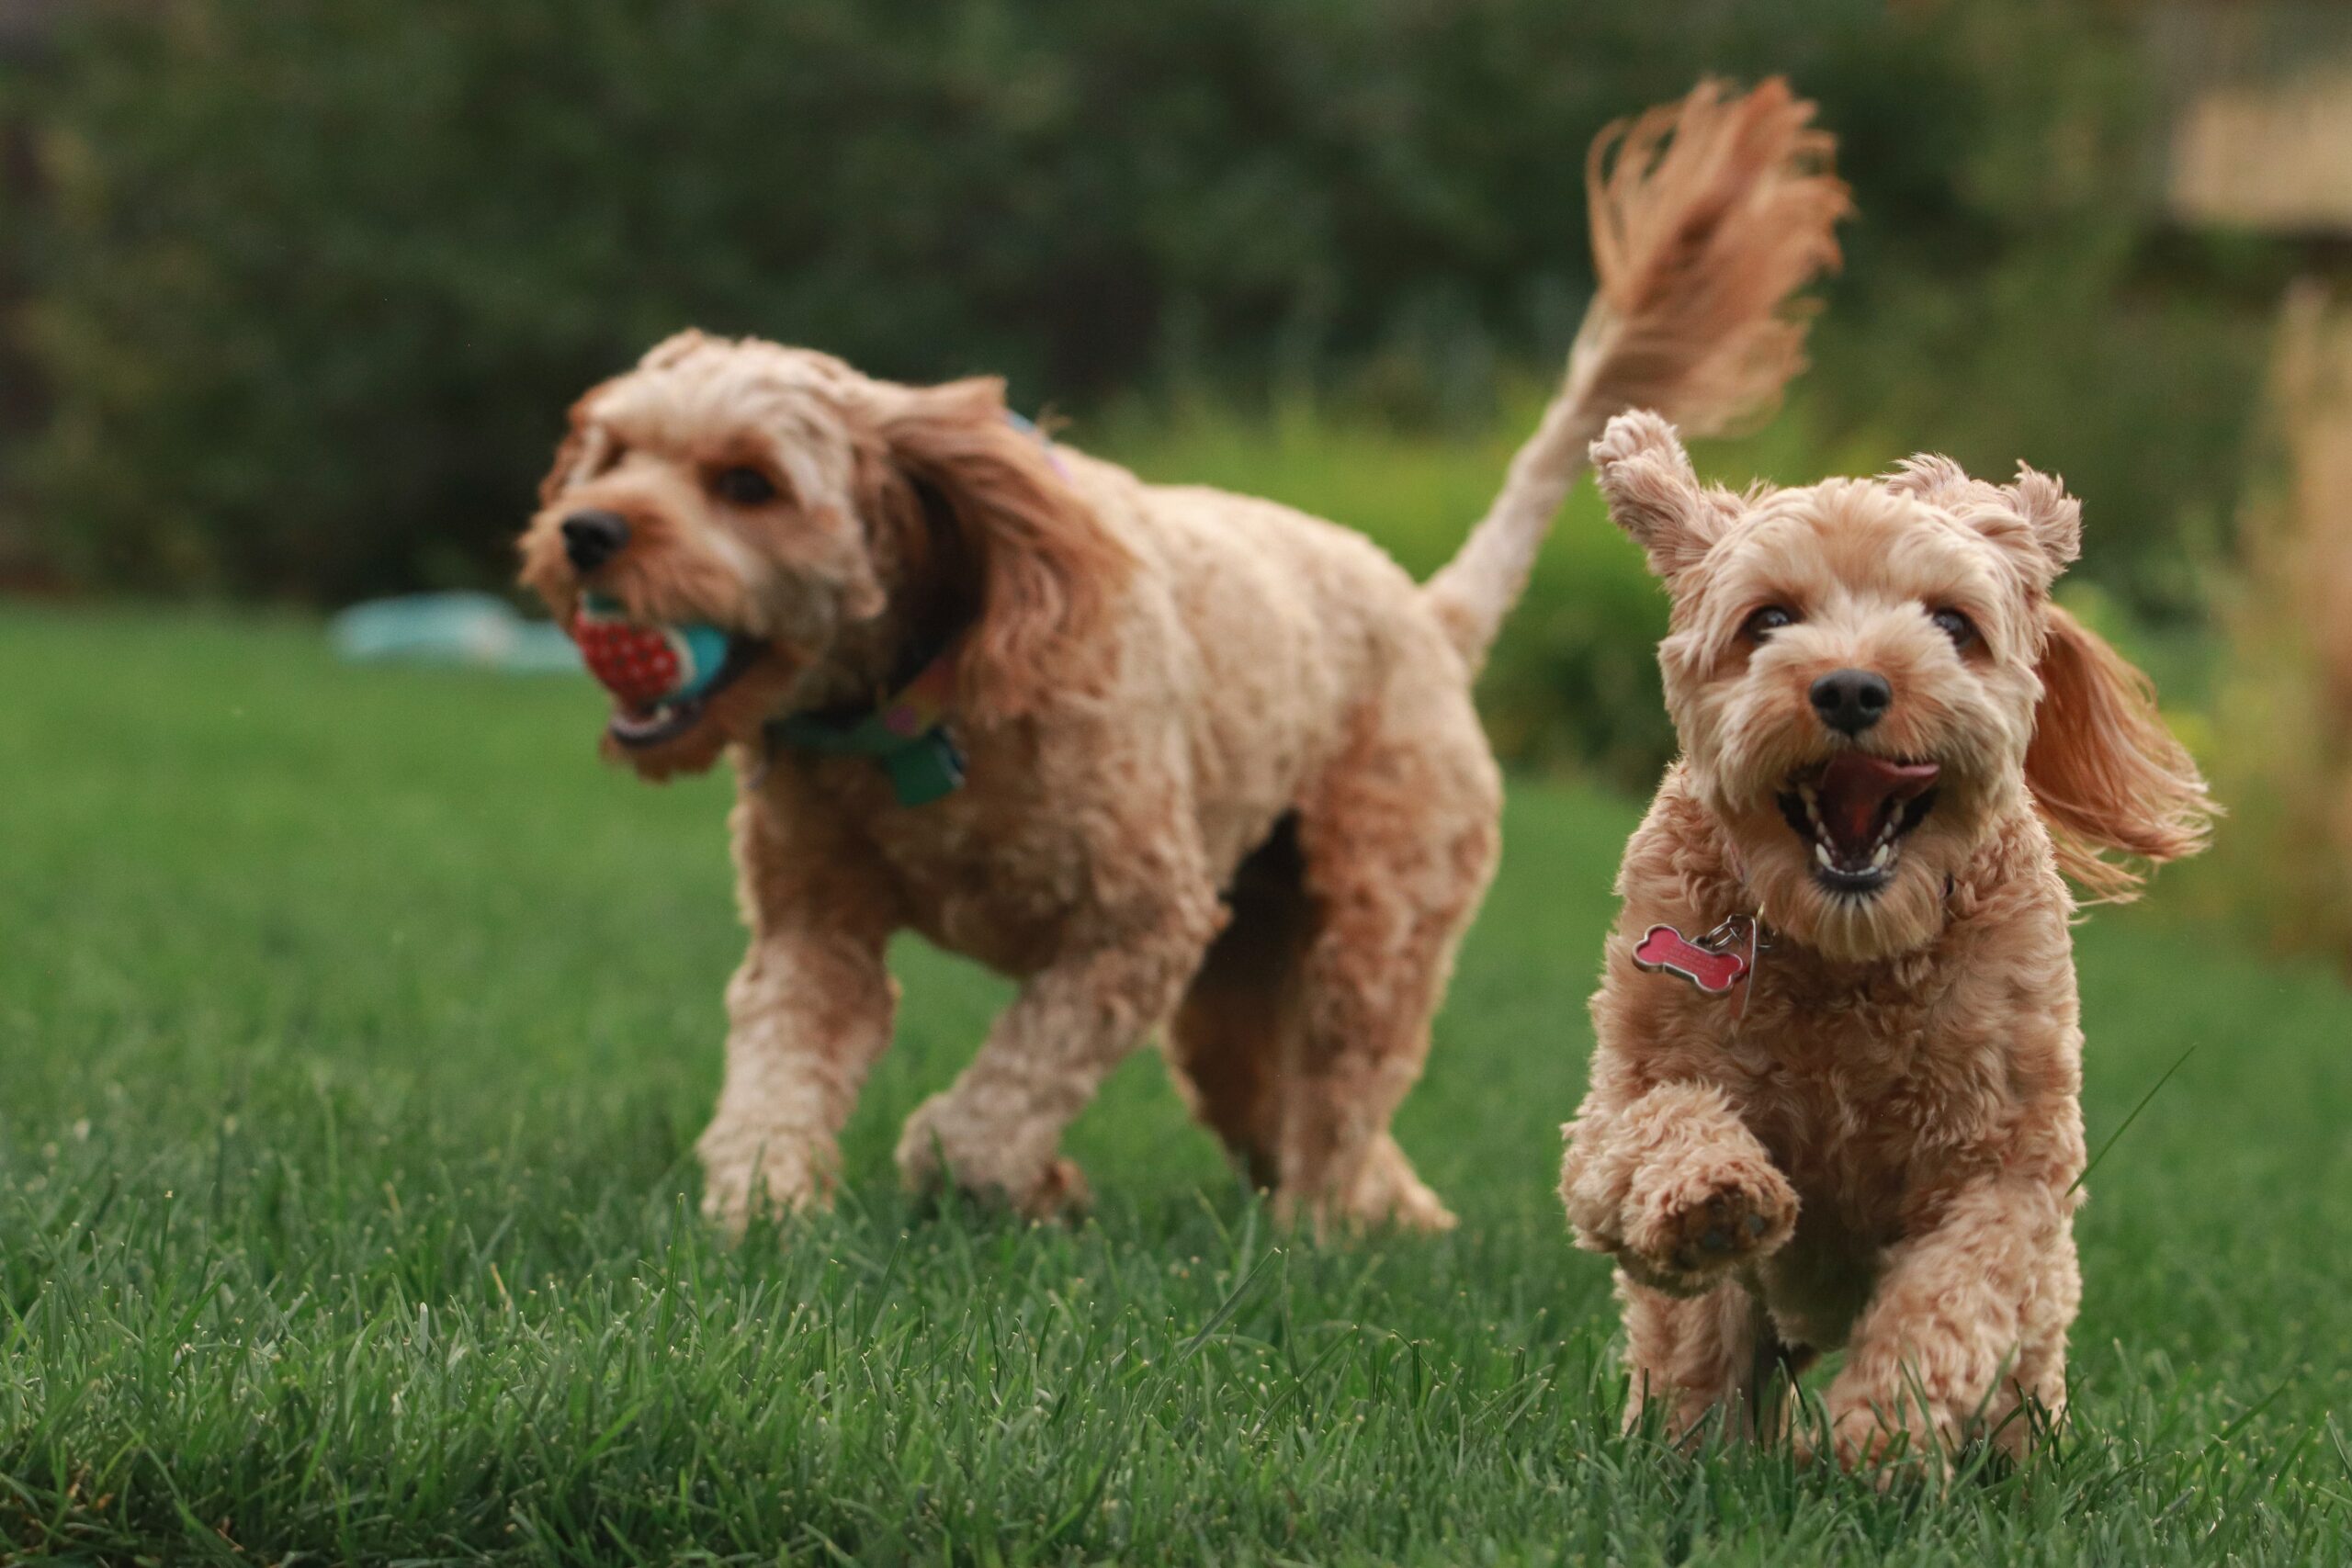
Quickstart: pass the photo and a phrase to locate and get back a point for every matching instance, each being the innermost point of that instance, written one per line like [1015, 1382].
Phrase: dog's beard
[1854, 854]
[1898, 910]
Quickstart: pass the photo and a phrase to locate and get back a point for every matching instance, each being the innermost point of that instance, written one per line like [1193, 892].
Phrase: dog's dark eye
[743, 486]
[1763, 623]
[1955, 626]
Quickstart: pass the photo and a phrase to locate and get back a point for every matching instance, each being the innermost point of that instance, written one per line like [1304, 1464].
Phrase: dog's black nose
[592, 538]
[1850, 701]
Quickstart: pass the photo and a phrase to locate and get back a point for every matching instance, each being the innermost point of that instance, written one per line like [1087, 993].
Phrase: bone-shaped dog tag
[1665, 950]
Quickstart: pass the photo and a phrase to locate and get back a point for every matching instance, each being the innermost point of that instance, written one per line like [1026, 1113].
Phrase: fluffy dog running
[1849, 1118]
[1166, 756]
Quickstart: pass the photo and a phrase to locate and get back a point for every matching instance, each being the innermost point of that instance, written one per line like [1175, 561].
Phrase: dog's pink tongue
[1856, 792]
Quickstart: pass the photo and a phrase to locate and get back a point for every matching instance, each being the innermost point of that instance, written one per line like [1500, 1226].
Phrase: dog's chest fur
[1859, 1091]
[1056, 842]
[981, 873]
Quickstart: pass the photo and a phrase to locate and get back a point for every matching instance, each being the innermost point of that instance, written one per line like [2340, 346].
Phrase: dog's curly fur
[1225, 775]
[1878, 1146]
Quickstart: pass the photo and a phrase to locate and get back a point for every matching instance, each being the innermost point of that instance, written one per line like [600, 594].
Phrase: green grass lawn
[354, 1027]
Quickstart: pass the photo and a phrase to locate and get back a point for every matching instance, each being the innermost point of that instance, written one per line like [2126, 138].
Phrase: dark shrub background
[302, 289]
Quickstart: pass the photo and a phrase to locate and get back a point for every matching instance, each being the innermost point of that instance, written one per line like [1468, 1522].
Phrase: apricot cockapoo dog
[1167, 756]
[1894, 746]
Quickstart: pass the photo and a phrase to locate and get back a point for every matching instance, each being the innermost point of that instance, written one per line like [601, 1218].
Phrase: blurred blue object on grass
[477, 629]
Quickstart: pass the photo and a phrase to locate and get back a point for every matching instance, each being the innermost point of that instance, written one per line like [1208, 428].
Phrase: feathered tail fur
[1707, 217]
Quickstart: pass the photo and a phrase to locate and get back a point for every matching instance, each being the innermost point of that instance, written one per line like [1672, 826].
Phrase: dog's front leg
[1969, 1320]
[808, 1013]
[998, 1131]
[1670, 1182]
[1674, 1186]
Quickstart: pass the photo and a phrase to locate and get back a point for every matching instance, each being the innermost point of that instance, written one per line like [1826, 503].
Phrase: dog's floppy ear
[1654, 493]
[1049, 569]
[2105, 772]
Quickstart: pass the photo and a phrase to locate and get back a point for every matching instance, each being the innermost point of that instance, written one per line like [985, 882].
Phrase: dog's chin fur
[1904, 914]
[1901, 915]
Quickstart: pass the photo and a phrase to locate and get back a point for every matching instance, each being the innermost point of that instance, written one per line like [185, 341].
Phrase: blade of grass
[2126, 1126]
[1225, 1309]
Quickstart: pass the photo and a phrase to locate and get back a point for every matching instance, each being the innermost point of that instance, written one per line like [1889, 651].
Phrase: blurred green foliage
[310, 285]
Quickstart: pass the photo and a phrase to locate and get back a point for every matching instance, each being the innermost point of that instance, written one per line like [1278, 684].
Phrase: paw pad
[1728, 1226]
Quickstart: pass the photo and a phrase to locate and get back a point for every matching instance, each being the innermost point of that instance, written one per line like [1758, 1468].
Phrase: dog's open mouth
[1855, 811]
[641, 725]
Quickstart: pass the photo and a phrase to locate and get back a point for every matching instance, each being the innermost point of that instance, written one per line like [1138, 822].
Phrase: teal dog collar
[907, 734]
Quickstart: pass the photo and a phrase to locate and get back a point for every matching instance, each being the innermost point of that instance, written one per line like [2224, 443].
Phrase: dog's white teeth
[1821, 854]
[1885, 854]
[643, 723]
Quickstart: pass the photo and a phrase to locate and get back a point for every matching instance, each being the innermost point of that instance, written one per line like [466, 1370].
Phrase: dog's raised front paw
[1690, 1230]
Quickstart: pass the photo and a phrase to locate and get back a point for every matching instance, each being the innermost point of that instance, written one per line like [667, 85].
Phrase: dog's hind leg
[1398, 840]
[1239, 1018]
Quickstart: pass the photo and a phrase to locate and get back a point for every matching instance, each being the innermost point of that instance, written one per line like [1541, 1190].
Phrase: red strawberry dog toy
[656, 672]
